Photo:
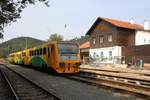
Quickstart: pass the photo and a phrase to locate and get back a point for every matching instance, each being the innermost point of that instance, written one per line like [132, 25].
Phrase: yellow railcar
[61, 57]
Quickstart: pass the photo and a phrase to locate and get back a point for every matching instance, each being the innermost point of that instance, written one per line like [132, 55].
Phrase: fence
[114, 60]
[135, 61]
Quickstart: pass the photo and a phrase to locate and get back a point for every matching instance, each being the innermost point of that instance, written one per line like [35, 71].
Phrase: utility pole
[8, 51]
[26, 42]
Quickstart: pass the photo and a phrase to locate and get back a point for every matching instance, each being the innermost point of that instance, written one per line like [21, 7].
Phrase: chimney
[146, 25]
[132, 21]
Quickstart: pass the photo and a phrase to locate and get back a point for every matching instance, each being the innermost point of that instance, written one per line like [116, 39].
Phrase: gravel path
[69, 89]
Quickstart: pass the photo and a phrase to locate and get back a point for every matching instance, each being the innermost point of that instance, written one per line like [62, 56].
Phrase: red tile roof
[118, 23]
[85, 45]
[124, 24]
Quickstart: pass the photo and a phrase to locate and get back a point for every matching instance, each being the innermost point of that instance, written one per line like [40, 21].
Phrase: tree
[10, 10]
[1, 36]
[55, 37]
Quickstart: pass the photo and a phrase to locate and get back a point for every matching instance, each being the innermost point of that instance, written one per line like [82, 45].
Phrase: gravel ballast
[68, 89]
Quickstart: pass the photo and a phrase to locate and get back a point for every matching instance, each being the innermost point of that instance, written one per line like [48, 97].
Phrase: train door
[48, 55]
[52, 57]
[27, 57]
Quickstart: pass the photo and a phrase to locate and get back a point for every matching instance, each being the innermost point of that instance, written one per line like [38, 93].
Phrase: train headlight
[62, 64]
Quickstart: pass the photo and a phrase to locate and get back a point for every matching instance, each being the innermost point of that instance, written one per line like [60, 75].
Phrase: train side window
[48, 52]
[24, 53]
[41, 51]
[44, 50]
[34, 53]
[52, 48]
[30, 53]
[38, 51]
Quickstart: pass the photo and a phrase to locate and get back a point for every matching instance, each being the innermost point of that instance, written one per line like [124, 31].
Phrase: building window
[101, 39]
[94, 55]
[144, 41]
[102, 56]
[110, 55]
[110, 38]
[94, 41]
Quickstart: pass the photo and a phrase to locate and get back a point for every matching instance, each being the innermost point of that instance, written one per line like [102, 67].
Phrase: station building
[110, 38]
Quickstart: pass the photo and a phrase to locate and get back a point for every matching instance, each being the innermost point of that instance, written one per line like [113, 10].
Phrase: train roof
[43, 45]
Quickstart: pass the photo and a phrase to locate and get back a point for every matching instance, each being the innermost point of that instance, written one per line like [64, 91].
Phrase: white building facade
[142, 37]
[107, 54]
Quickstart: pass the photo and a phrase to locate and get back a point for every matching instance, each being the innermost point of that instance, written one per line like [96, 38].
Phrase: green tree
[55, 37]
[10, 10]
[1, 36]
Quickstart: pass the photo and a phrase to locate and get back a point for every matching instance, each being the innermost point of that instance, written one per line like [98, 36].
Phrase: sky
[39, 21]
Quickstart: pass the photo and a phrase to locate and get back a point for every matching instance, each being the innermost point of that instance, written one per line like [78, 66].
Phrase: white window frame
[101, 39]
[94, 41]
[110, 38]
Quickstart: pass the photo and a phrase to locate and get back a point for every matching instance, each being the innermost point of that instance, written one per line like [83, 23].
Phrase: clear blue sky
[39, 21]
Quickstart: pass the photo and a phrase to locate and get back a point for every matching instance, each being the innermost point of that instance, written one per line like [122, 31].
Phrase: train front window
[68, 51]
[68, 48]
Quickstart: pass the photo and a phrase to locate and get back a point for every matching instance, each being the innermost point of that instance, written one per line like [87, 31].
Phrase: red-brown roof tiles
[118, 23]
[124, 24]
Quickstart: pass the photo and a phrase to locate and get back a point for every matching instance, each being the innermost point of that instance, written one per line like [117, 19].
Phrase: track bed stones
[5, 90]
[25, 89]
[69, 89]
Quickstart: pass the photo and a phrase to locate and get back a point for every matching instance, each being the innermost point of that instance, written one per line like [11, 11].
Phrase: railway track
[23, 88]
[6, 90]
[116, 71]
[130, 76]
[139, 87]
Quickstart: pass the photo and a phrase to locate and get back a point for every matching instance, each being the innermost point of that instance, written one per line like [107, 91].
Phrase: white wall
[142, 37]
[116, 51]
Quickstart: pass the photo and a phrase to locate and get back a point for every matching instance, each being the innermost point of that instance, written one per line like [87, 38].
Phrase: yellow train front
[61, 57]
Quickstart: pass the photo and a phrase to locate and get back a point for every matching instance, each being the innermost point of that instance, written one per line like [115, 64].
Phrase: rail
[9, 83]
[43, 91]
[135, 86]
